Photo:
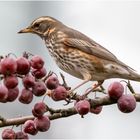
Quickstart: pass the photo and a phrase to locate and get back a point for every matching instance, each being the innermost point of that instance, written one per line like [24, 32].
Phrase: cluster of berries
[30, 71]
[125, 102]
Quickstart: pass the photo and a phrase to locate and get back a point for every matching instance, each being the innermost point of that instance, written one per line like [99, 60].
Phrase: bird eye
[36, 25]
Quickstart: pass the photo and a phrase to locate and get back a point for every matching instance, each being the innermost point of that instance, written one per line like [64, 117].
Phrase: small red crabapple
[12, 94]
[82, 107]
[29, 127]
[52, 82]
[39, 73]
[39, 88]
[42, 123]
[21, 135]
[28, 81]
[60, 93]
[96, 110]
[26, 96]
[37, 62]
[8, 134]
[115, 90]
[23, 65]
[39, 109]
[3, 93]
[11, 81]
[126, 103]
[8, 66]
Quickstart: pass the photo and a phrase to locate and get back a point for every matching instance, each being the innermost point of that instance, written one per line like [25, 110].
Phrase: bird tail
[132, 75]
[127, 72]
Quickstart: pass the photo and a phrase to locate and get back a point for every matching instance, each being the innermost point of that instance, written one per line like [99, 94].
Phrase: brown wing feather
[82, 42]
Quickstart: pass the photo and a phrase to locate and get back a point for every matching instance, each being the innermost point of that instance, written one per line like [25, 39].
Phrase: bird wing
[89, 48]
[80, 41]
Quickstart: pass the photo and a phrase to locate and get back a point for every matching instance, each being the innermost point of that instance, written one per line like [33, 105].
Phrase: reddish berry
[82, 107]
[28, 81]
[39, 88]
[39, 73]
[126, 103]
[8, 66]
[34, 113]
[12, 94]
[0, 68]
[52, 82]
[29, 127]
[11, 81]
[21, 135]
[96, 110]
[115, 90]
[42, 123]
[8, 134]
[3, 93]
[37, 62]
[23, 66]
[26, 96]
[60, 93]
[39, 109]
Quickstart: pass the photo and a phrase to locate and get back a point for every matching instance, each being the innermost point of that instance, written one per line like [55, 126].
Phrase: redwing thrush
[77, 54]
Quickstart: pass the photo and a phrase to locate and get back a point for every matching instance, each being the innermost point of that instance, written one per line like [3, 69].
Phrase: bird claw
[70, 96]
[68, 101]
[66, 87]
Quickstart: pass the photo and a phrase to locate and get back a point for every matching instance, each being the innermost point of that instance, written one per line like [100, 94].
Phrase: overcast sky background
[115, 25]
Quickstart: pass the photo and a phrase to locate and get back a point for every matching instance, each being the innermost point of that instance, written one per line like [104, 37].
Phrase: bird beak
[26, 30]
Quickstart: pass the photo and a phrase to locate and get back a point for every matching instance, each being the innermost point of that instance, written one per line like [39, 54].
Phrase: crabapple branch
[61, 113]
[107, 101]
[15, 121]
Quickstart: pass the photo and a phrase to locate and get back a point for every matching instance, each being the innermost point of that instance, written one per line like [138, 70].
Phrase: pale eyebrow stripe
[43, 18]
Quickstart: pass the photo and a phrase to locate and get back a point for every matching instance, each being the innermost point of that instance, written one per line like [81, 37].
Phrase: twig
[130, 87]
[2, 119]
[46, 77]
[64, 82]
[15, 121]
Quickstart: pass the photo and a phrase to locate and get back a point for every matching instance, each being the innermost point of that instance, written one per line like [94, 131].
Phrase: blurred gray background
[115, 25]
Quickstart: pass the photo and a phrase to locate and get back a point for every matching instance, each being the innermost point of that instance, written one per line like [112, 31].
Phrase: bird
[78, 54]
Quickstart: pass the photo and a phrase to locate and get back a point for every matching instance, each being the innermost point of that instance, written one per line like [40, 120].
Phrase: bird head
[41, 26]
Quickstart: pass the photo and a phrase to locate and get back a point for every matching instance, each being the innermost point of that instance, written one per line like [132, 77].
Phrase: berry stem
[46, 77]
[92, 89]
[130, 87]
[27, 54]
[11, 54]
[64, 82]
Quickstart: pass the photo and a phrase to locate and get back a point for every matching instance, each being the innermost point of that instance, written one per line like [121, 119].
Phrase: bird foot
[95, 86]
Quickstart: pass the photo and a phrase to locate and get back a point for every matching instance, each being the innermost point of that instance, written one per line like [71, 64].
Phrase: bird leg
[84, 82]
[93, 88]
[64, 82]
[87, 78]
